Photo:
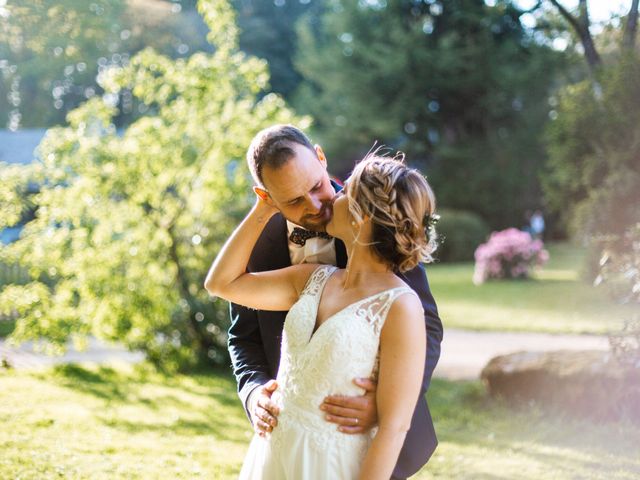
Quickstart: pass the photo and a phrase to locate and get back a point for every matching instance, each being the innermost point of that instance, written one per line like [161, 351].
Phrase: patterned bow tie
[299, 236]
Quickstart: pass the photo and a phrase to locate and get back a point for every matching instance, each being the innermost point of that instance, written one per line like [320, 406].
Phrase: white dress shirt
[315, 250]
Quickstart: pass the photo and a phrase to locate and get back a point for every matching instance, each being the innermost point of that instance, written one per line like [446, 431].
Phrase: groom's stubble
[301, 190]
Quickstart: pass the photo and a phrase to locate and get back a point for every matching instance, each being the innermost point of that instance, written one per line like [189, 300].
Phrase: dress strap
[317, 280]
[376, 308]
[393, 294]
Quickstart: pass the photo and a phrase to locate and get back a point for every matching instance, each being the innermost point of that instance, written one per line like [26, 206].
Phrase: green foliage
[52, 52]
[620, 264]
[7, 325]
[619, 273]
[13, 194]
[128, 223]
[593, 174]
[460, 86]
[459, 234]
[268, 31]
[593, 181]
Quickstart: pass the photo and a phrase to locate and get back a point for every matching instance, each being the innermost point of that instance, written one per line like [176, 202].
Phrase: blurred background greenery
[145, 109]
[141, 112]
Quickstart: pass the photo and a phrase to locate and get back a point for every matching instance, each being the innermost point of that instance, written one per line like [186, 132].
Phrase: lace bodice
[316, 364]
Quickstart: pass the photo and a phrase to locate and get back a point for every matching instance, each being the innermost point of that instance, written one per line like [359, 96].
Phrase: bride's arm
[228, 278]
[402, 353]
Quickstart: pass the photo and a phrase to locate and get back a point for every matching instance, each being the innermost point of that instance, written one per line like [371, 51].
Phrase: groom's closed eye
[316, 187]
[295, 201]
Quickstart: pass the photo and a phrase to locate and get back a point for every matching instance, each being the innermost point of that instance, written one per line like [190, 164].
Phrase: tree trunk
[581, 27]
[631, 27]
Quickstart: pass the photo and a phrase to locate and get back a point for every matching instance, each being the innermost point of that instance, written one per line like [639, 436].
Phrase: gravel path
[26, 356]
[464, 352]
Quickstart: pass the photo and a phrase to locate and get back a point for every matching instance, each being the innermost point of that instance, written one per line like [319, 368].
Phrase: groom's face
[301, 188]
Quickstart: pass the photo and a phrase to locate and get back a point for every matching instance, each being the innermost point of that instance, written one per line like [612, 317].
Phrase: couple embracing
[334, 333]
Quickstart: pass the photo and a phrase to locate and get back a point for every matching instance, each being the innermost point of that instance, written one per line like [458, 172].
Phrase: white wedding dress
[304, 446]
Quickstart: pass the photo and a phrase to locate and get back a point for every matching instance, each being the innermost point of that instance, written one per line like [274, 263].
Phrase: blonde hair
[399, 202]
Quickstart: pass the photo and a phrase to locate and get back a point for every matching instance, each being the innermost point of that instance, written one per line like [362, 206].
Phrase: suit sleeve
[248, 358]
[417, 280]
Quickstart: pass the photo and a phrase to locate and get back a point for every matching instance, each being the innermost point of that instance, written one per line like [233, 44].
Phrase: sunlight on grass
[130, 422]
[97, 422]
[555, 300]
[482, 439]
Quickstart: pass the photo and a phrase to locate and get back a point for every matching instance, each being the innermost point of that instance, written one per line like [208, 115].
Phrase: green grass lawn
[555, 300]
[87, 422]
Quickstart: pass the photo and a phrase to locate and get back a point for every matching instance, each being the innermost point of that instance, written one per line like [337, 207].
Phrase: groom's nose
[315, 204]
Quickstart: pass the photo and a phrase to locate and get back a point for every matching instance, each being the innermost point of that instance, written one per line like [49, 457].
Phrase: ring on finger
[356, 420]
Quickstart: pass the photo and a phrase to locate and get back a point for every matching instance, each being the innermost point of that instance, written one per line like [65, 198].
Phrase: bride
[342, 323]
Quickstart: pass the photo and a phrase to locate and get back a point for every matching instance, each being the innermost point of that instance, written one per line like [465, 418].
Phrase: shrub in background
[592, 179]
[620, 273]
[128, 223]
[460, 232]
[510, 253]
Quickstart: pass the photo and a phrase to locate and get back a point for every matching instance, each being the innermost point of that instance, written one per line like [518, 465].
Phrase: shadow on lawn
[222, 416]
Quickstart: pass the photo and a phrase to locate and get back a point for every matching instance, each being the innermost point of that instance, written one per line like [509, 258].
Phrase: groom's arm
[417, 280]
[250, 365]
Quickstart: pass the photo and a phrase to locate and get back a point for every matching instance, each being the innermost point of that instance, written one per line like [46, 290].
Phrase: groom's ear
[263, 194]
[321, 156]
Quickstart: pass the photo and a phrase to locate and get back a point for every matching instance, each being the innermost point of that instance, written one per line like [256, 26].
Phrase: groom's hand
[264, 411]
[353, 414]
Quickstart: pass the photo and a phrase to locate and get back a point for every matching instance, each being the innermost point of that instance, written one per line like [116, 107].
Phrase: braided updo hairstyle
[400, 204]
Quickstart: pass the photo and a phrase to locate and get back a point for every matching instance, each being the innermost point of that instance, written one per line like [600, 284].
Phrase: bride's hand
[263, 207]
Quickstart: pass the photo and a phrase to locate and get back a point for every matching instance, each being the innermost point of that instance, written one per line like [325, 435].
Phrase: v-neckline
[330, 317]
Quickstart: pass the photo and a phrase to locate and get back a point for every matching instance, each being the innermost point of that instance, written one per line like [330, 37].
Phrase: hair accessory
[429, 222]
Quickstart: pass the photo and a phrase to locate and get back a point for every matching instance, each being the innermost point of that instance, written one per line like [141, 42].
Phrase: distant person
[536, 225]
[320, 410]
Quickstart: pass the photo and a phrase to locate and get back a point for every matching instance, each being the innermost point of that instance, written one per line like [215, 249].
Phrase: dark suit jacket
[255, 337]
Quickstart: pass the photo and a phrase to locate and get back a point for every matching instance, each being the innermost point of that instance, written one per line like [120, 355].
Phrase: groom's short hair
[272, 147]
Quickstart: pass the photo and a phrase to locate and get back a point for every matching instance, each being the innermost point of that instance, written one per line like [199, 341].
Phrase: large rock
[590, 383]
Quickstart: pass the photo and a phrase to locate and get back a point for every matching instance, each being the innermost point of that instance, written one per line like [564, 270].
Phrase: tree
[127, 224]
[459, 86]
[267, 30]
[52, 52]
[581, 25]
[593, 174]
[592, 179]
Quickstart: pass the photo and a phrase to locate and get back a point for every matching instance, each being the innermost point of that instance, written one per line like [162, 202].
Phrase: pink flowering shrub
[508, 254]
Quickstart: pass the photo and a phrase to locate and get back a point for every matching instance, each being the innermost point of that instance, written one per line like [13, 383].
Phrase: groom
[291, 174]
